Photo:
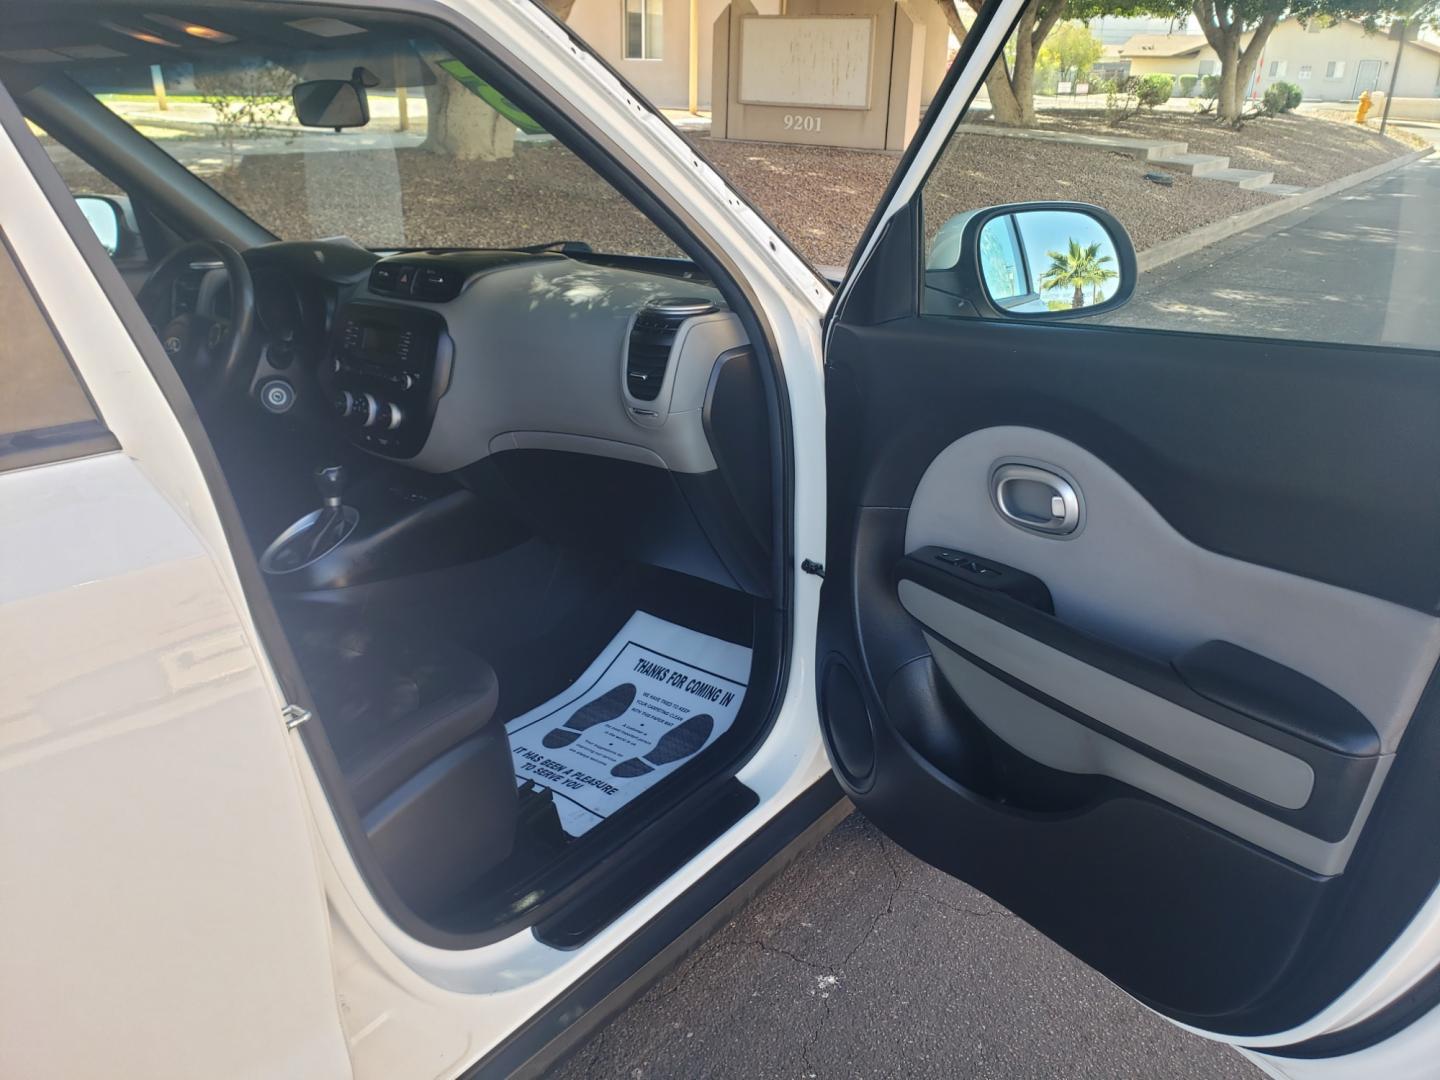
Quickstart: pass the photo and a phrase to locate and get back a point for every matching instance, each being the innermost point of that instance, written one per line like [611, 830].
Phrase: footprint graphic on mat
[607, 706]
[679, 742]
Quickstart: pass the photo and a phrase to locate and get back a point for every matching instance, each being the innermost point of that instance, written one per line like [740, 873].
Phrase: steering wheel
[213, 354]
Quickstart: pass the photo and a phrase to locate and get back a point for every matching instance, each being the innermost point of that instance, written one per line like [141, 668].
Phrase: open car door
[1134, 628]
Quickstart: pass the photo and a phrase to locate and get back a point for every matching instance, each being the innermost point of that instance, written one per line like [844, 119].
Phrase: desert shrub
[246, 100]
[1154, 90]
[1280, 97]
[1210, 86]
[1120, 101]
[1187, 84]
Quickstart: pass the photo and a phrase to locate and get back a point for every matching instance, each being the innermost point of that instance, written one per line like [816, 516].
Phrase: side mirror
[333, 103]
[104, 217]
[1030, 261]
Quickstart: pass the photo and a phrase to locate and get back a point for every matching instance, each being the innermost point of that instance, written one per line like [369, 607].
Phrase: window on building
[1335, 69]
[1209, 67]
[643, 29]
[1277, 68]
[1304, 71]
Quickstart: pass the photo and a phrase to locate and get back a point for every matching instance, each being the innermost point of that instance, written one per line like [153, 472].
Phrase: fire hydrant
[1363, 108]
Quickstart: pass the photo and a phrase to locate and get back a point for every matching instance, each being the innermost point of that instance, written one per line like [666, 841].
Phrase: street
[1355, 268]
[860, 961]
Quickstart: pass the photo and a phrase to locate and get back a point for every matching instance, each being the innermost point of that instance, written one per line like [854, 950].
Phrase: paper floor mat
[655, 697]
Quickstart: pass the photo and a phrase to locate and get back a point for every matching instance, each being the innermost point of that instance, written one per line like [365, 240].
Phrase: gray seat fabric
[394, 750]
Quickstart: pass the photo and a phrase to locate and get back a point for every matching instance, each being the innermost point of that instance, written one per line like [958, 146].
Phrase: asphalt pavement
[1358, 268]
[862, 962]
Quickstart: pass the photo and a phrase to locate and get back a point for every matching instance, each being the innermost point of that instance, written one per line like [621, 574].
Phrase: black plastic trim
[46, 446]
[1341, 780]
[632, 874]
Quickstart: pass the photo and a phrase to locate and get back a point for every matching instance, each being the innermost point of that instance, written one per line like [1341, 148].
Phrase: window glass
[445, 160]
[44, 412]
[1001, 261]
[644, 33]
[1248, 216]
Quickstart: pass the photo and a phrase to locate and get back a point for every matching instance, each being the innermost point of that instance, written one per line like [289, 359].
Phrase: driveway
[1356, 268]
[860, 961]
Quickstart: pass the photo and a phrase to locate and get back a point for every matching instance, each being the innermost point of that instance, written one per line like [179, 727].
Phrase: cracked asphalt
[860, 961]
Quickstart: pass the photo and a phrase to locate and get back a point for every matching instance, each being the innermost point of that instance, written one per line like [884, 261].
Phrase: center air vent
[651, 337]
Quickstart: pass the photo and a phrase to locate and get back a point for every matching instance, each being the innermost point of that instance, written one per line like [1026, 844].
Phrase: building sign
[817, 61]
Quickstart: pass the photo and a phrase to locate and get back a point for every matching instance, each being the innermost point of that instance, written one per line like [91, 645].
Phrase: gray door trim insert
[1230, 756]
[1130, 578]
[1053, 739]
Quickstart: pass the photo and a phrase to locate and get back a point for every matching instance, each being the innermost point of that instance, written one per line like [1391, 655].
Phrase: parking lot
[862, 962]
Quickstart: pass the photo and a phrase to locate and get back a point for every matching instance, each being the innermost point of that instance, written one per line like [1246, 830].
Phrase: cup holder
[299, 546]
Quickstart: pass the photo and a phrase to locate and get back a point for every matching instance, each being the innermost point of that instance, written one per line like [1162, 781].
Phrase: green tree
[1238, 30]
[1074, 50]
[1011, 79]
[1076, 267]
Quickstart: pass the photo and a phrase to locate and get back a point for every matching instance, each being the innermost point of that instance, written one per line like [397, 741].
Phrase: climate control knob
[385, 415]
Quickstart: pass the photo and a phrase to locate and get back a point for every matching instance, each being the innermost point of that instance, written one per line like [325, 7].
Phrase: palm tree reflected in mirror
[1075, 268]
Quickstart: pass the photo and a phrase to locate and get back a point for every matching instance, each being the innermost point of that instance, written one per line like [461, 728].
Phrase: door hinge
[294, 716]
[810, 566]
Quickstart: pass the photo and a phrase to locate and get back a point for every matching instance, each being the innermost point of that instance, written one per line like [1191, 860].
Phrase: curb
[1203, 237]
[207, 127]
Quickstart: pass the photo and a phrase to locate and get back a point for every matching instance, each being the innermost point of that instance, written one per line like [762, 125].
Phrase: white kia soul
[445, 567]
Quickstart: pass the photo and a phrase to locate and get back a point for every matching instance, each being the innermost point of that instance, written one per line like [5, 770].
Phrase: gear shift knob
[330, 480]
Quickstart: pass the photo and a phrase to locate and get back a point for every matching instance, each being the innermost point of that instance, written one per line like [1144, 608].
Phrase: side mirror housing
[1038, 261]
[333, 103]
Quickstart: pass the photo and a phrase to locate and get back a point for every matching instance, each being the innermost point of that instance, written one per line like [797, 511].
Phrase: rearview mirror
[1033, 261]
[332, 103]
[104, 217]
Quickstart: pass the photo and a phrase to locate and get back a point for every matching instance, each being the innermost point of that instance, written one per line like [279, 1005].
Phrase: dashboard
[440, 359]
[598, 391]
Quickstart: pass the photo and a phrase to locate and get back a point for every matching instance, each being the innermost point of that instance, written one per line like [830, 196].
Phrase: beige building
[664, 47]
[1328, 63]
[1167, 54]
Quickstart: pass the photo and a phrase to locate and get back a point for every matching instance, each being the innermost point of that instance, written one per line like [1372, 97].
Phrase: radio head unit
[390, 367]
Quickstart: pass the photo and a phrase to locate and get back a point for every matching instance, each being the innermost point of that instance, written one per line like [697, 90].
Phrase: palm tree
[1075, 268]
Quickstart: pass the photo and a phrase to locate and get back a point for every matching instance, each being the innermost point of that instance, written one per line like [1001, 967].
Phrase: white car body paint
[406, 1009]
[140, 735]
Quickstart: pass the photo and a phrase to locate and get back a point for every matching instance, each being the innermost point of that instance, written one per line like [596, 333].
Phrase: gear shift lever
[318, 532]
[330, 479]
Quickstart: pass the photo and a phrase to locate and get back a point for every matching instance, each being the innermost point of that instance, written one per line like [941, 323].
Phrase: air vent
[652, 336]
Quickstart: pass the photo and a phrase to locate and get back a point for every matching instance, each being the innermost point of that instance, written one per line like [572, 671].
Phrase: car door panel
[1170, 747]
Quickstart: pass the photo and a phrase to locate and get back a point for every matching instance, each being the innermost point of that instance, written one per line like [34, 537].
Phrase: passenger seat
[428, 764]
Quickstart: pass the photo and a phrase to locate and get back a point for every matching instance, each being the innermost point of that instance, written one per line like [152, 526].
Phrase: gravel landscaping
[1304, 150]
[819, 197]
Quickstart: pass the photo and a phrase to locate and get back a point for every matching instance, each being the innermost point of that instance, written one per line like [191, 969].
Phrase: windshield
[443, 161]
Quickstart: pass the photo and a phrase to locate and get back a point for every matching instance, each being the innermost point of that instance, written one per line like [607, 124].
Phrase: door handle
[1036, 499]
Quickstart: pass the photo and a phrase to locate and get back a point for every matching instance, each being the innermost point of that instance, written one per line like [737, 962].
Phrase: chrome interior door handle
[1036, 499]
